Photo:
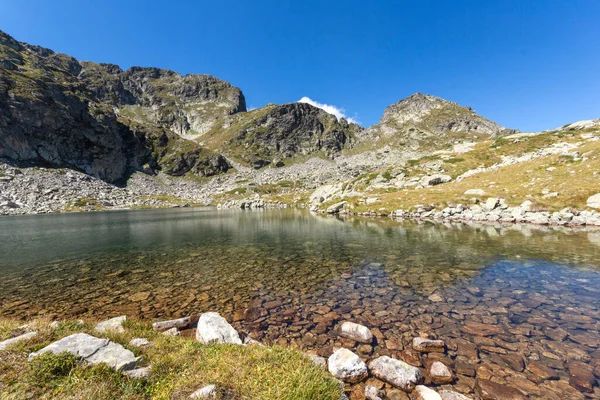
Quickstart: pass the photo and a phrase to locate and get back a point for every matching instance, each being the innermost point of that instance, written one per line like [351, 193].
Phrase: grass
[574, 180]
[179, 367]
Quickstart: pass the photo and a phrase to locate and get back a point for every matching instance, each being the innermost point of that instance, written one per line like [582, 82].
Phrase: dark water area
[516, 304]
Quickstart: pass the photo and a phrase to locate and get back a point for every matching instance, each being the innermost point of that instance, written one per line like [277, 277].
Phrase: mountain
[424, 122]
[275, 133]
[57, 111]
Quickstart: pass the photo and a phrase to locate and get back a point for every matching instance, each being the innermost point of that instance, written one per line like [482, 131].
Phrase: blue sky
[526, 64]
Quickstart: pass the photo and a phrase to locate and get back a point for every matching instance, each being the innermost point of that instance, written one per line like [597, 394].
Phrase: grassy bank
[180, 366]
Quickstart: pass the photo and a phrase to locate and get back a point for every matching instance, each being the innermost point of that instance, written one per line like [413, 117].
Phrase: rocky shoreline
[375, 379]
[493, 210]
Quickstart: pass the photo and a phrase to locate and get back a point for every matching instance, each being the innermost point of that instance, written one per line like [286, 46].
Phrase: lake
[517, 303]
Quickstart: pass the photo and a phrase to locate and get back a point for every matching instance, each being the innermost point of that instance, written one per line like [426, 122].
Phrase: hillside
[77, 135]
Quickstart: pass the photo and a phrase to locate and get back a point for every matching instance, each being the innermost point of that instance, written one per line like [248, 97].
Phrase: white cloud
[337, 111]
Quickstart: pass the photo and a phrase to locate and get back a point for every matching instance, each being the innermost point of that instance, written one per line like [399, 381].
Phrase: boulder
[335, 208]
[347, 366]
[437, 179]
[8, 342]
[178, 323]
[491, 203]
[427, 345]
[172, 332]
[357, 332]
[440, 373]
[396, 372]
[489, 390]
[214, 328]
[114, 324]
[92, 350]
[206, 392]
[424, 393]
[593, 201]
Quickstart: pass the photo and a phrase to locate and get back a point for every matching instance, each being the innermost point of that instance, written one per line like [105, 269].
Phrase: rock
[356, 332]
[593, 201]
[489, 390]
[437, 179]
[396, 372]
[436, 298]
[318, 360]
[93, 350]
[475, 192]
[114, 324]
[8, 342]
[206, 392]
[174, 323]
[491, 203]
[139, 342]
[335, 208]
[424, 393]
[172, 332]
[481, 329]
[440, 373]
[450, 395]
[372, 393]
[428, 346]
[139, 373]
[347, 366]
[214, 328]
[581, 376]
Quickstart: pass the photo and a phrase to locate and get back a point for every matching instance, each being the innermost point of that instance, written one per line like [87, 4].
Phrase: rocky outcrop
[56, 111]
[92, 350]
[267, 135]
[426, 122]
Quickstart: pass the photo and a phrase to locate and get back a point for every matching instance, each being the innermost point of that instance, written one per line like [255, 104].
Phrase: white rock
[173, 323]
[17, 339]
[207, 392]
[336, 207]
[113, 324]
[440, 373]
[139, 373]
[357, 332]
[491, 203]
[428, 345]
[248, 341]
[139, 342]
[214, 328]
[594, 201]
[172, 332]
[93, 350]
[347, 366]
[372, 393]
[396, 372]
[450, 395]
[424, 393]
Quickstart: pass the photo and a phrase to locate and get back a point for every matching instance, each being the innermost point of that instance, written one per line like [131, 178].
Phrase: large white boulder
[214, 328]
[396, 372]
[347, 366]
[93, 350]
[594, 201]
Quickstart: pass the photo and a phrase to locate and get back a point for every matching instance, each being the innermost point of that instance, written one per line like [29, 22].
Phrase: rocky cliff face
[285, 131]
[426, 122]
[54, 111]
